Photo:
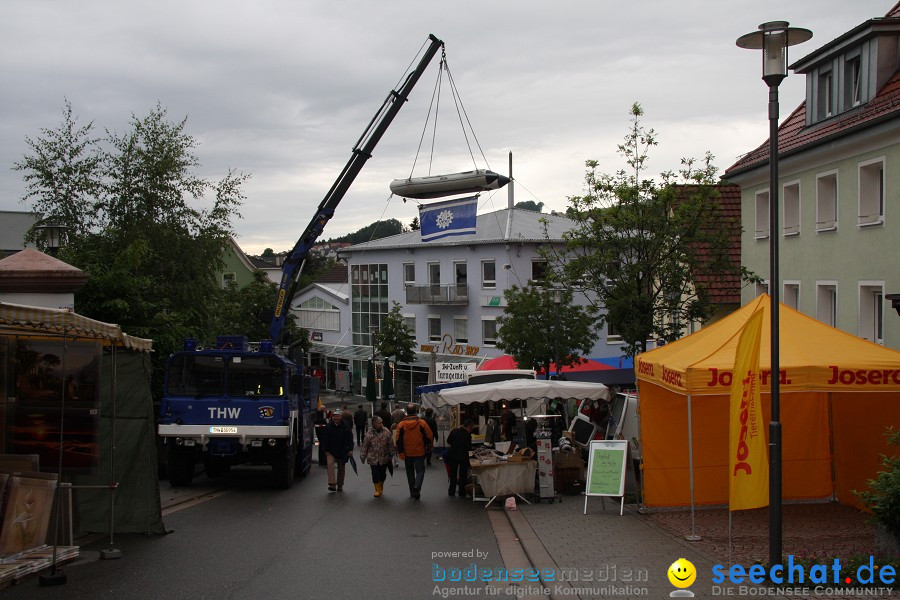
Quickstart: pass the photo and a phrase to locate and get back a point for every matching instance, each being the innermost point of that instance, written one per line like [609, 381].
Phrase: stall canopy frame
[127, 436]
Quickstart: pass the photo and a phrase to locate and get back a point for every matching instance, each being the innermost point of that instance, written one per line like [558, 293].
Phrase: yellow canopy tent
[838, 394]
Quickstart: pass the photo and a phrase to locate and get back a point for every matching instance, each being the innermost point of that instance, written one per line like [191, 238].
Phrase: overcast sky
[282, 90]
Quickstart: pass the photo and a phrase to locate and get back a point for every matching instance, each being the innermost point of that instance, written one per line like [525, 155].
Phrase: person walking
[414, 439]
[338, 444]
[378, 451]
[459, 444]
[360, 419]
[385, 415]
[432, 424]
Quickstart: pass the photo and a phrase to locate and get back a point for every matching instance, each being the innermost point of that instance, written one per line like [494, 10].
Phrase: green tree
[247, 311]
[530, 205]
[414, 224]
[638, 245]
[394, 339]
[151, 254]
[536, 330]
[63, 175]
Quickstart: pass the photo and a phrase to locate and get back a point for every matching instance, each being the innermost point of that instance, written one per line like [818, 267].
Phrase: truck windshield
[191, 375]
[256, 376]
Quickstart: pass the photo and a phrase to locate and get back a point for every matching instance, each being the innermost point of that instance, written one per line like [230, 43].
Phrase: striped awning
[53, 321]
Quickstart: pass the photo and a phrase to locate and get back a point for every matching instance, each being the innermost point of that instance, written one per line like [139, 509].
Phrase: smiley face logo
[682, 573]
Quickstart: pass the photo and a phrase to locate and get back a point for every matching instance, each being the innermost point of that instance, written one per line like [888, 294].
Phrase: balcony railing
[438, 294]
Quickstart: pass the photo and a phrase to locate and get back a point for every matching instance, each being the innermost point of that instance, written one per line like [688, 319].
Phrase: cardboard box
[523, 455]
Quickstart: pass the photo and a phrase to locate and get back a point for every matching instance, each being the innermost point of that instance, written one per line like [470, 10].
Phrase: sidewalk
[604, 555]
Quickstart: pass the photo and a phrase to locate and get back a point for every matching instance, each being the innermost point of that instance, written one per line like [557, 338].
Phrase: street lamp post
[53, 236]
[773, 38]
[371, 389]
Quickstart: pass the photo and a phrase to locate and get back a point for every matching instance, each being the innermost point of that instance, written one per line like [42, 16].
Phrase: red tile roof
[794, 136]
[336, 274]
[726, 289]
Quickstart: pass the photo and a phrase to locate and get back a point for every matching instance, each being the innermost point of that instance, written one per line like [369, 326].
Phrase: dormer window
[853, 78]
[825, 102]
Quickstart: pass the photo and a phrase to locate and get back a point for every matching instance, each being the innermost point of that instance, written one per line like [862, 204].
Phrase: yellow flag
[748, 462]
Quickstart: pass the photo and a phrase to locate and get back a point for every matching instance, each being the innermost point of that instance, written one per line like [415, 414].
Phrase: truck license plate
[223, 429]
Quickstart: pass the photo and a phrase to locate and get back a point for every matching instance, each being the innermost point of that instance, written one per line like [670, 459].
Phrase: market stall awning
[55, 321]
[521, 389]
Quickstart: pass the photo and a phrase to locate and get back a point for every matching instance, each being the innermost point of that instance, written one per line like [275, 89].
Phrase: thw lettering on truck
[229, 412]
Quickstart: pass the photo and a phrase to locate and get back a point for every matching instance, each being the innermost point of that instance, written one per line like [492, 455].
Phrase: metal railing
[438, 294]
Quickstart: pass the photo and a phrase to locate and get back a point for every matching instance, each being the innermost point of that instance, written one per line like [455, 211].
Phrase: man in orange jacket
[414, 440]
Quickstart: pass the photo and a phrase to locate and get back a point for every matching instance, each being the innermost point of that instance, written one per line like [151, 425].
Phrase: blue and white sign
[451, 217]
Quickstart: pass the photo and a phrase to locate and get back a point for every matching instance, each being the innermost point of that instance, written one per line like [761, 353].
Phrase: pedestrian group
[398, 436]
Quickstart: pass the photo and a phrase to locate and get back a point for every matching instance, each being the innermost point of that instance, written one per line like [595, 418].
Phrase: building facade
[838, 188]
[451, 292]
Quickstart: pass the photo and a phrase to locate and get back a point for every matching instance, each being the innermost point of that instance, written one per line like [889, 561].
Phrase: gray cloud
[281, 90]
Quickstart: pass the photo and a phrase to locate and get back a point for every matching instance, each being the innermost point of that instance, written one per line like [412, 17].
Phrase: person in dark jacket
[385, 415]
[360, 420]
[338, 443]
[432, 425]
[459, 444]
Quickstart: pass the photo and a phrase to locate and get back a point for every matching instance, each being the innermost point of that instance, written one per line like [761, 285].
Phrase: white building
[451, 291]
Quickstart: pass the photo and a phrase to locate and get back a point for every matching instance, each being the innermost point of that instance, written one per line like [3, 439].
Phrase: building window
[538, 270]
[409, 274]
[792, 294]
[316, 313]
[871, 192]
[227, 279]
[489, 332]
[791, 207]
[461, 273]
[461, 330]
[612, 332]
[410, 322]
[488, 274]
[826, 302]
[826, 202]
[761, 288]
[853, 83]
[434, 273]
[762, 215]
[434, 328]
[825, 97]
[368, 300]
[871, 311]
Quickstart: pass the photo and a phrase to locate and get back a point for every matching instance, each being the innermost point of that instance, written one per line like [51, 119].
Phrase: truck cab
[233, 404]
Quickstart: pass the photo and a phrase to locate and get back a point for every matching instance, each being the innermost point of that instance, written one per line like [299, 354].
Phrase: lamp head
[773, 38]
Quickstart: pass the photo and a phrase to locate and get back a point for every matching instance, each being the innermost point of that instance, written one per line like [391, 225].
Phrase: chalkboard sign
[606, 469]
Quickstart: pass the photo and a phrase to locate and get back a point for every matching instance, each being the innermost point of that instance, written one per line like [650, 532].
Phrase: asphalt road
[256, 541]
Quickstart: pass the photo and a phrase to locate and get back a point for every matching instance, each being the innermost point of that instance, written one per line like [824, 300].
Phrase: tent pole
[56, 575]
[112, 552]
[834, 497]
[693, 537]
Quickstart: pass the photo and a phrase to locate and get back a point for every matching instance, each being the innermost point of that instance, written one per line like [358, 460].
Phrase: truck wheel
[283, 468]
[180, 466]
[303, 461]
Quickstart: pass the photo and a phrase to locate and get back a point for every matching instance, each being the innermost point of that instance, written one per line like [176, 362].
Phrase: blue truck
[235, 403]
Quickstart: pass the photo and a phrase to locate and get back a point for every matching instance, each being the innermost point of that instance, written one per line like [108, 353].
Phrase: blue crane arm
[362, 151]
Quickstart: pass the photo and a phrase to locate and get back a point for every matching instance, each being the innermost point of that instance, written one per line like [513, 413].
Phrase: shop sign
[450, 372]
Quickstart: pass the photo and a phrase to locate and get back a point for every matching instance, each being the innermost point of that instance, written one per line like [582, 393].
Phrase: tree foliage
[530, 205]
[638, 244]
[394, 339]
[536, 331]
[374, 231]
[130, 202]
